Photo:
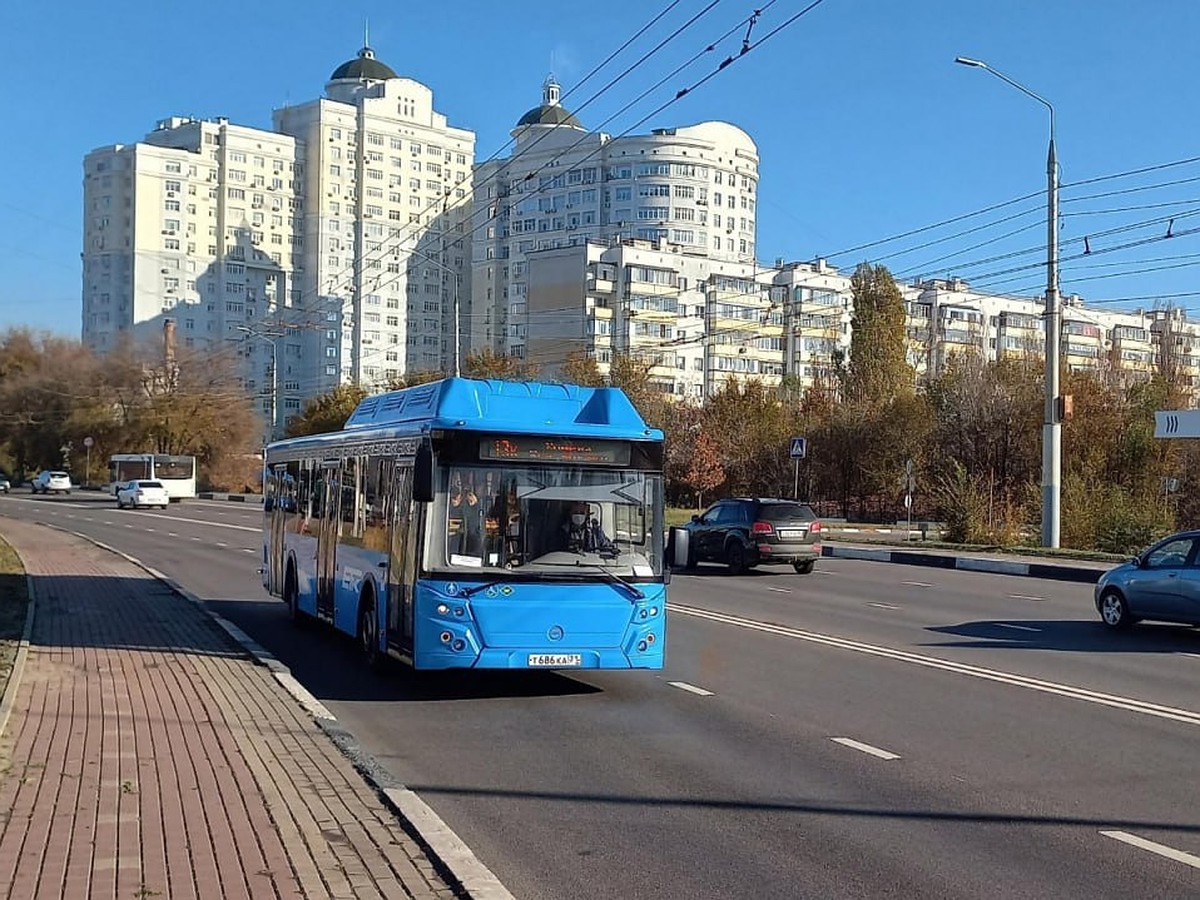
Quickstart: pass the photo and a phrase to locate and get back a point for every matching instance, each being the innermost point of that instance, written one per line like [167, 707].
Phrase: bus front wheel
[291, 596]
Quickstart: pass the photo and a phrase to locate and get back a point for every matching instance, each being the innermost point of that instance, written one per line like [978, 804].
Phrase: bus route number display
[558, 450]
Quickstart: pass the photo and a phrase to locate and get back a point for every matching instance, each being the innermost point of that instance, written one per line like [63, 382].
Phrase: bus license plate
[555, 660]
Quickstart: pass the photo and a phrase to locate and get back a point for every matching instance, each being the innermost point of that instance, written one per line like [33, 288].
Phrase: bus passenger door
[277, 487]
[402, 554]
[327, 536]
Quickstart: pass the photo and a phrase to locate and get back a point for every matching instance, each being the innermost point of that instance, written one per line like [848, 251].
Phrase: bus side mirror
[423, 474]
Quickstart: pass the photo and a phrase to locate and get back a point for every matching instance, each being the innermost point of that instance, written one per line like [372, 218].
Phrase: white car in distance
[142, 493]
[48, 482]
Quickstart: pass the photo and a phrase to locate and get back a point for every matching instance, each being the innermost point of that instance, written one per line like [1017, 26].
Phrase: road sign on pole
[799, 448]
[88, 442]
[1177, 423]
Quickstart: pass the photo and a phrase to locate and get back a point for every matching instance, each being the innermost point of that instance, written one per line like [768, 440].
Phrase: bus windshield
[549, 520]
[174, 466]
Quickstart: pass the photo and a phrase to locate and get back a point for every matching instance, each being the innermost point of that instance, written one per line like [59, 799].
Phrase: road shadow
[330, 665]
[1068, 634]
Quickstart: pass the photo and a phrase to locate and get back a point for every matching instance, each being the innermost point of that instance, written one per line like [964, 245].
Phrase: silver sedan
[1162, 583]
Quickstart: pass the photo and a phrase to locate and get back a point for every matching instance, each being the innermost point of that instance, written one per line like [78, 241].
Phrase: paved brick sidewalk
[148, 757]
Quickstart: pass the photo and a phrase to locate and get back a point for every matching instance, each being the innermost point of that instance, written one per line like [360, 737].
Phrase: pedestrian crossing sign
[799, 448]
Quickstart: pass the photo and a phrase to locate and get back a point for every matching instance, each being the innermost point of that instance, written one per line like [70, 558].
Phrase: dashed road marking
[917, 583]
[172, 534]
[1025, 597]
[690, 688]
[1016, 627]
[249, 550]
[1154, 847]
[865, 748]
[222, 544]
[883, 606]
[1057, 688]
[780, 590]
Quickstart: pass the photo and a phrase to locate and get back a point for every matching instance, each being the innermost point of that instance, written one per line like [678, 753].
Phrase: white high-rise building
[386, 248]
[198, 224]
[690, 189]
[342, 236]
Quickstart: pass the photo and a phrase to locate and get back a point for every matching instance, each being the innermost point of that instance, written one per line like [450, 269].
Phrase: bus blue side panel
[504, 625]
[355, 566]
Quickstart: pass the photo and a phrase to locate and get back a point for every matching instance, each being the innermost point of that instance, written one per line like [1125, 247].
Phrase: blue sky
[865, 126]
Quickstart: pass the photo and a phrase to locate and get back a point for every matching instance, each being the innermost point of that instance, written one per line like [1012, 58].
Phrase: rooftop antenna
[366, 32]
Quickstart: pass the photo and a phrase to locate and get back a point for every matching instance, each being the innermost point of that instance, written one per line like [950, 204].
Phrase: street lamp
[269, 338]
[1052, 427]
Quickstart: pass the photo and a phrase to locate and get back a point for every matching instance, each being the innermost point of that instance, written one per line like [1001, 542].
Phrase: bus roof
[520, 407]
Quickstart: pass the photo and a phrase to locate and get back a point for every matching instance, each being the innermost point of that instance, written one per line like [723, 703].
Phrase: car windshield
[58, 475]
[545, 519]
[779, 512]
[150, 484]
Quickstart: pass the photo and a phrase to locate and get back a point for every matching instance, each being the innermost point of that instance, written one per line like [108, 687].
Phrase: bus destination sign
[559, 450]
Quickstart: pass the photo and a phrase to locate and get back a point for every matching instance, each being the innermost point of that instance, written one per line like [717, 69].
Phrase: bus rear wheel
[368, 632]
[291, 596]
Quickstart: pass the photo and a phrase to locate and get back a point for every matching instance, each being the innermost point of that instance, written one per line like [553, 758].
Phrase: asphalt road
[868, 730]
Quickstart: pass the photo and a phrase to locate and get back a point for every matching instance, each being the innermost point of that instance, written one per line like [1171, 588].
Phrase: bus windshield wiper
[612, 576]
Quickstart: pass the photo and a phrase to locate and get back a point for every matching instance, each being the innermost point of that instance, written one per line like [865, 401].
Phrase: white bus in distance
[177, 473]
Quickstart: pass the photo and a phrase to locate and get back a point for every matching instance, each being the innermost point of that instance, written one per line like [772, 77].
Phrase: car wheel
[803, 568]
[1114, 610]
[735, 558]
[368, 631]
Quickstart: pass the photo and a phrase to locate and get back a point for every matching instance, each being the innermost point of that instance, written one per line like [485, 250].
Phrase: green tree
[878, 369]
[328, 411]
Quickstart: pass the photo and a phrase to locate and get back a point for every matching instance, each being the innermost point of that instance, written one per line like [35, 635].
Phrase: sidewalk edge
[18, 668]
[474, 879]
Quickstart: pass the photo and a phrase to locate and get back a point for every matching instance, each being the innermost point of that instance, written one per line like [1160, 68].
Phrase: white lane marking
[1016, 627]
[127, 525]
[172, 534]
[1154, 847]
[195, 538]
[780, 590]
[70, 515]
[133, 512]
[825, 572]
[1025, 597]
[88, 519]
[1192, 655]
[917, 583]
[222, 544]
[690, 688]
[1115, 701]
[883, 606]
[149, 529]
[249, 550]
[865, 748]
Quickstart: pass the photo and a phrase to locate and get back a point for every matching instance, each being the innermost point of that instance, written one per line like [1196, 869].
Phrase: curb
[435, 837]
[233, 498]
[1048, 571]
[18, 669]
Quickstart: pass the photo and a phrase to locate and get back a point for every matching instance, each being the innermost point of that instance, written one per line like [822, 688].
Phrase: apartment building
[201, 224]
[700, 322]
[693, 187]
[386, 250]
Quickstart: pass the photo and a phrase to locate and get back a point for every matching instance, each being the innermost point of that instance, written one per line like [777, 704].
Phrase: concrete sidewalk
[148, 756]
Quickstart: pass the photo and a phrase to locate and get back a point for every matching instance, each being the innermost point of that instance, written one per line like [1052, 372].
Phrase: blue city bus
[477, 524]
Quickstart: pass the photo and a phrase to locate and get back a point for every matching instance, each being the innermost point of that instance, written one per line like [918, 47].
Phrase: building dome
[550, 112]
[365, 67]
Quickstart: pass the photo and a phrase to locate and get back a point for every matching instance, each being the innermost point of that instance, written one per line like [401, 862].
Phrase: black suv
[746, 532]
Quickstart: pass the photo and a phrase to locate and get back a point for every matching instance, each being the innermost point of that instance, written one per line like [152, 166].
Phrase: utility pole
[270, 338]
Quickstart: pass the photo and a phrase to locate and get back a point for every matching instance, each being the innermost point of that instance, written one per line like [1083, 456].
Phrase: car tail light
[762, 528]
[815, 527]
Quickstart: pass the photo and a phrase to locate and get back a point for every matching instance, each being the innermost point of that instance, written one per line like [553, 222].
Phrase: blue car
[1162, 583]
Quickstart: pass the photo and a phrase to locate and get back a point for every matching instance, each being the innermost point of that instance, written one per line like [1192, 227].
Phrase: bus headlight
[442, 609]
[642, 646]
[458, 645]
[445, 636]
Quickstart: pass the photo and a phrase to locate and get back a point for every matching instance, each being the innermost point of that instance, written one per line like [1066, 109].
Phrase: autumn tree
[486, 363]
[412, 379]
[705, 471]
[581, 368]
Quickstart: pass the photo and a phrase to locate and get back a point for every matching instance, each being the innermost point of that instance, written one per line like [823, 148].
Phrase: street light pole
[269, 337]
[1052, 314]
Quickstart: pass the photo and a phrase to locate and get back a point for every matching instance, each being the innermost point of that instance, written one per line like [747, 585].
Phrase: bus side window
[377, 480]
[304, 496]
